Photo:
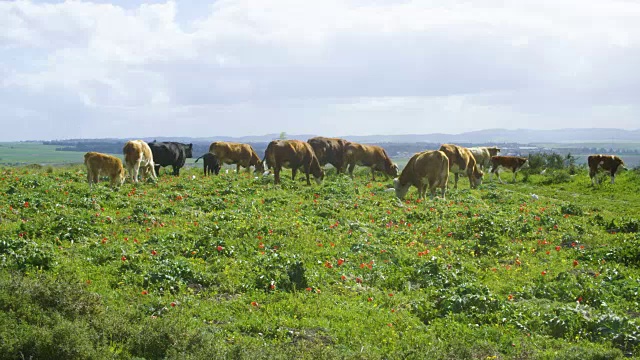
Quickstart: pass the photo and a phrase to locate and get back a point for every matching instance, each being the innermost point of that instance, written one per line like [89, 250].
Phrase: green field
[233, 266]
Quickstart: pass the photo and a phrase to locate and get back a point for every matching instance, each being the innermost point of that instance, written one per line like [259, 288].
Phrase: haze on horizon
[129, 68]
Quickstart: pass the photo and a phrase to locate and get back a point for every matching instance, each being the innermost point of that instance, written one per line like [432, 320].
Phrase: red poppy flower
[340, 261]
[358, 280]
[253, 303]
[124, 258]
[219, 248]
[575, 263]
[557, 248]
[543, 273]
[144, 292]
[173, 304]
[154, 253]
[308, 289]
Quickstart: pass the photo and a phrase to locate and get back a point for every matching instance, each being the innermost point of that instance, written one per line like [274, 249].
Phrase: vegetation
[232, 266]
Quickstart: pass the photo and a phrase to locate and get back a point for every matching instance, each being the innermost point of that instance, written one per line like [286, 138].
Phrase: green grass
[234, 266]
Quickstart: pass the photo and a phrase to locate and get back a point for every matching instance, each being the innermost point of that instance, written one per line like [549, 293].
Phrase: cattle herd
[425, 169]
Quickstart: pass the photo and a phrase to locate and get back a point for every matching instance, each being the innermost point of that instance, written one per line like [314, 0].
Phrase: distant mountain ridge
[520, 136]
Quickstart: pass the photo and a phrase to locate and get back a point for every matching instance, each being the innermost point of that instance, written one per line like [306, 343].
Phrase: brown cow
[236, 153]
[461, 161]
[513, 163]
[610, 163]
[102, 164]
[483, 155]
[372, 156]
[138, 155]
[424, 168]
[329, 151]
[293, 154]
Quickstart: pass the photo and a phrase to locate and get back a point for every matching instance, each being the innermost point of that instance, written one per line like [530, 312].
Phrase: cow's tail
[200, 157]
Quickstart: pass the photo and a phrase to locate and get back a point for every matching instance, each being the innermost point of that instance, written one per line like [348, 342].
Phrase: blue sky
[71, 69]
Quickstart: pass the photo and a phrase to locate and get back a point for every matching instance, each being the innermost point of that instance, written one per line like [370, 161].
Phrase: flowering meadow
[233, 266]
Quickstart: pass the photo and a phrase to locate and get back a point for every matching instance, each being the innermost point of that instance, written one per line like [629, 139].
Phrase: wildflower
[575, 263]
[124, 258]
[543, 273]
[557, 248]
[154, 253]
[144, 292]
[219, 248]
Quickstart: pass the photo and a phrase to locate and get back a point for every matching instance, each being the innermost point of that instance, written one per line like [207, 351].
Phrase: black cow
[170, 153]
[210, 163]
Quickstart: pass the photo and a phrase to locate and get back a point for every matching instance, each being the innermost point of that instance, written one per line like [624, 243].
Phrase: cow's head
[259, 166]
[493, 151]
[477, 177]
[188, 151]
[319, 176]
[525, 164]
[393, 170]
[619, 164]
[401, 190]
[123, 176]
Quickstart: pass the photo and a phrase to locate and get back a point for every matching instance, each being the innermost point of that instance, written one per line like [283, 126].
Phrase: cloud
[339, 66]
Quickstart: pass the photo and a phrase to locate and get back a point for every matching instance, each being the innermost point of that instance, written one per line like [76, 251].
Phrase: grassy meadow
[233, 266]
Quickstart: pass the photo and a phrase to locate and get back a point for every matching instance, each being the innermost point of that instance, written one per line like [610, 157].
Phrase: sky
[131, 69]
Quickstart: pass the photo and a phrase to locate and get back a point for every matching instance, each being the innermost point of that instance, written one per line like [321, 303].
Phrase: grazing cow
[138, 155]
[236, 153]
[210, 164]
[513, 163]
[483, 155]
[425, 168]
[293, 154]
[102, 164]
[372, 156]
[329, 151]
[170, 153]
[610, 163]
[461, 161]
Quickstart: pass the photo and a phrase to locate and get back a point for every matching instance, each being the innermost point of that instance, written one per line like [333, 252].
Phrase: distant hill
[520, 136]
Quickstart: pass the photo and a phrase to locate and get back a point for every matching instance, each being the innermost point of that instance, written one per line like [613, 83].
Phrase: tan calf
[427, 168]
[139, 160]
[102, 164]
[461, 161]
[372, 156]
[236, 153]
[293, 154]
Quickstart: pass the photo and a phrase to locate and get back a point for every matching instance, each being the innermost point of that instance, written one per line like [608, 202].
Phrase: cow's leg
[204, 168]
[153, 172]
[237, 168]
[157, 167]
[136, 169]
[276, 173]
[455, 180]
[351, 167]
[498, 174]
[613, 177]
[89, 178]
[294, 172]
[176, 170]
[514, 175]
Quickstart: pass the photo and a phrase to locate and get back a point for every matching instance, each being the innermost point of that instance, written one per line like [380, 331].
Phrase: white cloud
[352, 66]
